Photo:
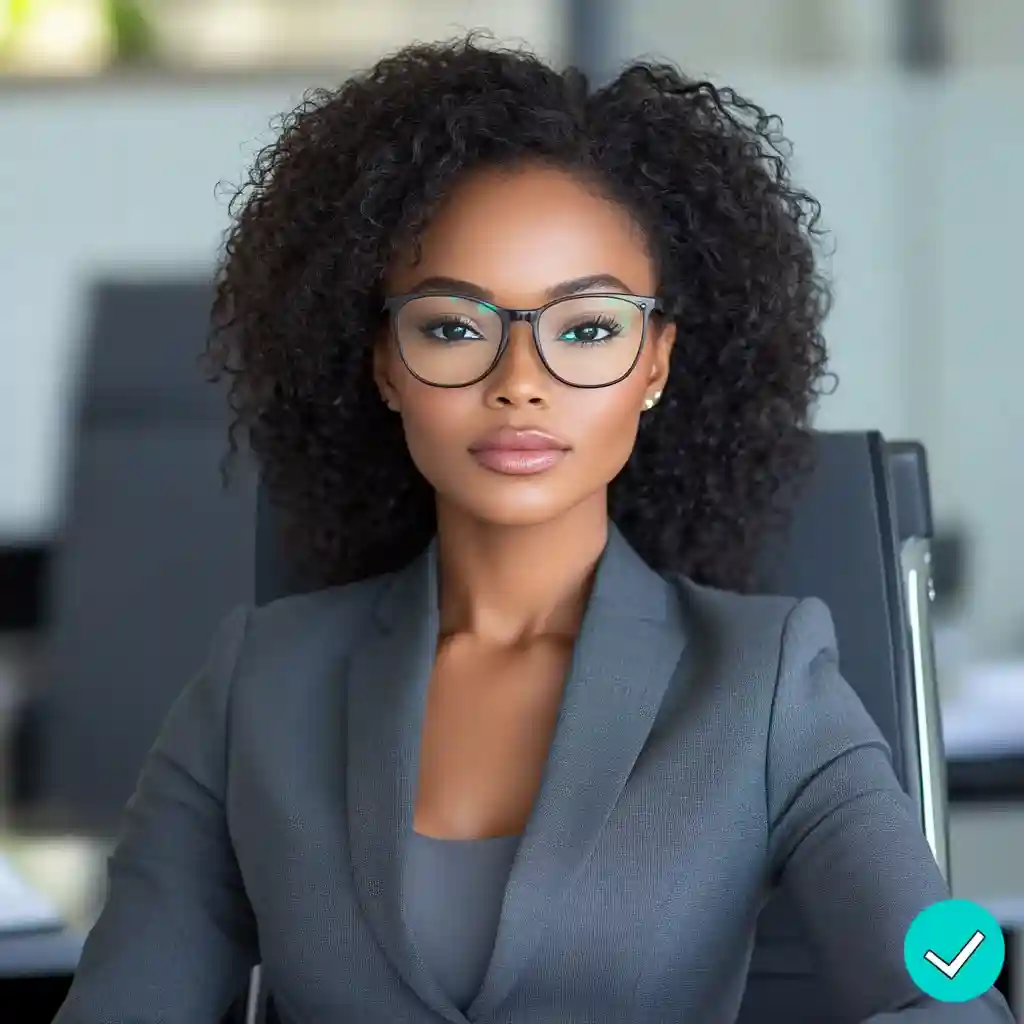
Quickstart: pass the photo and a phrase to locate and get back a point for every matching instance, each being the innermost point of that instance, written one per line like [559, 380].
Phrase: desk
[39, 954]
[35, 972]
[986, 815]
[986, 780]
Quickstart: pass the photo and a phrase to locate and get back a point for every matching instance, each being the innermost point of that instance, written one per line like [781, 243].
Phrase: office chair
[153, 554]
[859, 541]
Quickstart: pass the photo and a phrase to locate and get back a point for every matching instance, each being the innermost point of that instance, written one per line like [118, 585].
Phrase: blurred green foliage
[132, 34]
[134, 38]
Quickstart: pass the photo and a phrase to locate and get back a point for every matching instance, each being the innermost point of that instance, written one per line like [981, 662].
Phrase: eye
[592, 331]
[451, 330]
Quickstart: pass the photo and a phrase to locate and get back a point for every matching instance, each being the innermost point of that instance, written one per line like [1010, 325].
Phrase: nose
[520, 378]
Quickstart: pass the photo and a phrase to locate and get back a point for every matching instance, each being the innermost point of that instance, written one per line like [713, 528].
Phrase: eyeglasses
[585, 341]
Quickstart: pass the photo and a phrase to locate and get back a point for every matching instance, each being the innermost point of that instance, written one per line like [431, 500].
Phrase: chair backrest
[858, 540]
[154, 552]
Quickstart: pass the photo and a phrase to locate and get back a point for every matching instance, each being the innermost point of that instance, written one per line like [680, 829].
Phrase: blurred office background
[123, 124]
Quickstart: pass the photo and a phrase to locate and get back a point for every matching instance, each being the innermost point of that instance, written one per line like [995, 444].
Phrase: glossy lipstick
[519, 452]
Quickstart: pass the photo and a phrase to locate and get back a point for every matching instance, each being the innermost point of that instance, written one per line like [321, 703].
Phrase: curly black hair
[354, 176]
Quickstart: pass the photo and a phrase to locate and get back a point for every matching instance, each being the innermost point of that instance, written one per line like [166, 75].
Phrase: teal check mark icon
[952, 969]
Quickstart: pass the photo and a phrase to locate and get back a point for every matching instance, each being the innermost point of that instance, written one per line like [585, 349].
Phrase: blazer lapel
[388, 678]
[629, 645]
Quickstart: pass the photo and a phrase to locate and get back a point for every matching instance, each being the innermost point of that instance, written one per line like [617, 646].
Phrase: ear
[382, 374]
[662, 341]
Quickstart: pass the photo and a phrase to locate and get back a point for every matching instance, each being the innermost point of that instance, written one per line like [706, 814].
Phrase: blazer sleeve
[176, 938]
[845, 842]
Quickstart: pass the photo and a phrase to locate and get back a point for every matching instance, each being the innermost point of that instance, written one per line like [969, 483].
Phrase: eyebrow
[453, 285]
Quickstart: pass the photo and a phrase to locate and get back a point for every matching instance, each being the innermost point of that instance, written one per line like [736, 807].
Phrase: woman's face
[517, 239]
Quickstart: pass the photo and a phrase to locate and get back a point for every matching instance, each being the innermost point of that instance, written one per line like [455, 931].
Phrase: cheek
[606, 427]
[434, 428]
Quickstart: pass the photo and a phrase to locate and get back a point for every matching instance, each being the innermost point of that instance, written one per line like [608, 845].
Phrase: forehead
[517, 232]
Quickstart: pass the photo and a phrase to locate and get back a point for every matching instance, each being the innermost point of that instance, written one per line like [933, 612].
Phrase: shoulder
[750, 651]
[773, 663]
[772, 625]
[300, 625]
[336, 606]
[280, 660]
[788, 645]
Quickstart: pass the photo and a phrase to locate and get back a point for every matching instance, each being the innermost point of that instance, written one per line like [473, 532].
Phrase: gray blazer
[707, 750]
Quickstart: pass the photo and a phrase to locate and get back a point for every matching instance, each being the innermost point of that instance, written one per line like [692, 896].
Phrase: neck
[509, 583]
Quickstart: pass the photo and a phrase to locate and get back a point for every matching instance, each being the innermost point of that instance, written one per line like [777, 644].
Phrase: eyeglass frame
[647, 304]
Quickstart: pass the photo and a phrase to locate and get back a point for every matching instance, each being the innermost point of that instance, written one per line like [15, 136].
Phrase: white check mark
[952, 969]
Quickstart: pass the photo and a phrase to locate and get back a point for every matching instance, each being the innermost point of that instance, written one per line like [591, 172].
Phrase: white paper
[23, 908]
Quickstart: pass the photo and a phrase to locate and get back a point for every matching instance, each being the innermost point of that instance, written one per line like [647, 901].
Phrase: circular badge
[954, 951]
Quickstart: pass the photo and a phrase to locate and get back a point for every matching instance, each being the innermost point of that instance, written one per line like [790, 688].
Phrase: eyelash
[449, 321]
[605, 322]
[598, 320]
[609, 323]
[602, 321]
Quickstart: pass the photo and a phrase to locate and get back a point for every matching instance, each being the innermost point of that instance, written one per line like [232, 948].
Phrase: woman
[516, 763]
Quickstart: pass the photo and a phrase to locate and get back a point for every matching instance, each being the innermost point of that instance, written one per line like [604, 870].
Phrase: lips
[508, 439]
[519, 452]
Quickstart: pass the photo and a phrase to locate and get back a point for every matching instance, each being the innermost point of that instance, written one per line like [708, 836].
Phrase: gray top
[455, 888]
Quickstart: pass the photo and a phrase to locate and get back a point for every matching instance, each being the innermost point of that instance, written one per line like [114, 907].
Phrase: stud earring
[652, 401]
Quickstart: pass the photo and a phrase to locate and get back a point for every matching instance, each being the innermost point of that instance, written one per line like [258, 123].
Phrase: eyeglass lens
[586, 340]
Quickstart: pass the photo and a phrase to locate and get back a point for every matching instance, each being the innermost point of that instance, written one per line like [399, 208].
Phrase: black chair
[153, 554]
[859, 541]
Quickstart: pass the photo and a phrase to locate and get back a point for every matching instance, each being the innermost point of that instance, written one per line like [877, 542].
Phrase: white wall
[846, 129]
[104, 178]
[95, 179]
[983, 33]
[976, 348]
[918, 183]
[786, 33]
[918, 178]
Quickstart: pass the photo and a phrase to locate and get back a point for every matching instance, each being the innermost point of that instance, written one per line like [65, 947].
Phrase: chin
[518, 505]
[516, 514]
